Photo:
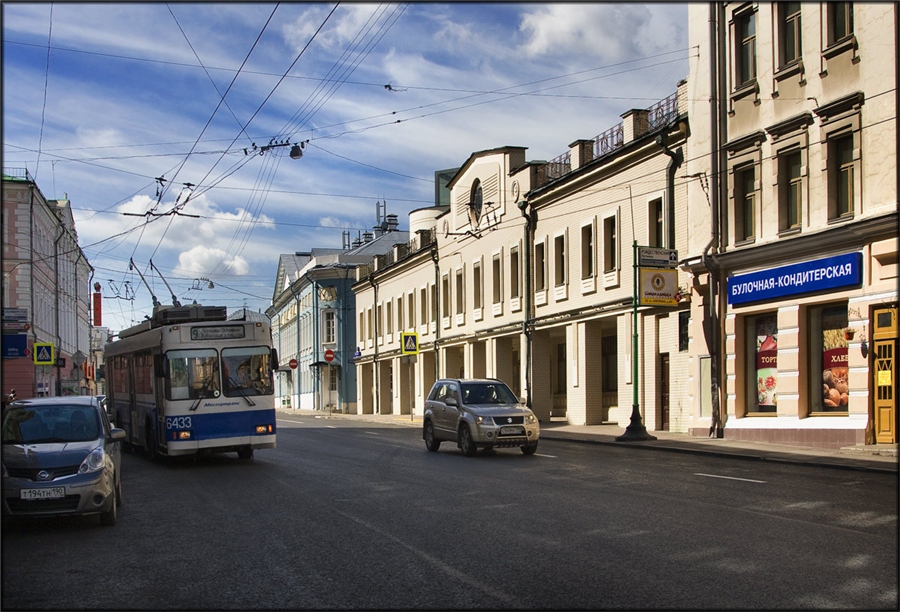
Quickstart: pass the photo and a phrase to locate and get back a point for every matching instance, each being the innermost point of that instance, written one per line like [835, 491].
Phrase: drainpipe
[56, 308]
[376, 409]
[716, 17]
[530, 221]
[676, 158]
[296, 387]
[317, 381]
[437, 297]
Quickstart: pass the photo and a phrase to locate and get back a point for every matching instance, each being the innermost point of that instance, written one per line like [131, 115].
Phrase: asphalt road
[358, 515]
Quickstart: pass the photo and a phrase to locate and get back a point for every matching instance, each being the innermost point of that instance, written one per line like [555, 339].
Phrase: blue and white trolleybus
[189, 380]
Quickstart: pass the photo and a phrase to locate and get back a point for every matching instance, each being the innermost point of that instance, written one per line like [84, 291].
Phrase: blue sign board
[15, 345]
[806, 277]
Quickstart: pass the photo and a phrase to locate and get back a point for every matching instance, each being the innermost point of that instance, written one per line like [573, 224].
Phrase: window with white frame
[329, 332]
[423, 306]
[370, 325]
[460, 292]
[587, 250]
[560, 265]
[434, 304]
[361, 335]
[379, 317]
[411, 309]
[477, 302]
[389, 316]
[497, 278]
[400, 314]
[610, 244]
[445, 295]
[540, 270]
[514, 274]
[656, 229]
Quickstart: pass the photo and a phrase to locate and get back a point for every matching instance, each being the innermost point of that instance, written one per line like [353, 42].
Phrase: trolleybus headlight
[93, 462]
[263, 429]
[184, 435]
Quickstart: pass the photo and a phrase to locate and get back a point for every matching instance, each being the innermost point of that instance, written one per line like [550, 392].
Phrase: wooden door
[884, 370]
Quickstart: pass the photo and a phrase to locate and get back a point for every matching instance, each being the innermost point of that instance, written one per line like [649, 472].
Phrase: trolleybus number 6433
[181, 422]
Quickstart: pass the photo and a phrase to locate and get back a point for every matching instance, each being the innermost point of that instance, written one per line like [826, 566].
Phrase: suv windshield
[487, 393]
[59, 423]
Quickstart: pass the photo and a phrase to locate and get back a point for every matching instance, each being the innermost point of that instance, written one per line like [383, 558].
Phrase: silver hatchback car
[61, 457]
[478, 413]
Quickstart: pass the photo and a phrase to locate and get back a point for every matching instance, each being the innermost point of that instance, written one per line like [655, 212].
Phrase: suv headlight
[530, 419]
[484, 420]
[93, 462]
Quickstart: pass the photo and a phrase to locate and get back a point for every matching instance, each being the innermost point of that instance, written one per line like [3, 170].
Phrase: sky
[169, 126]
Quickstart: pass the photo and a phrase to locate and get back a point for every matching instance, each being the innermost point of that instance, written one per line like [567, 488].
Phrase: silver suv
[478, 413]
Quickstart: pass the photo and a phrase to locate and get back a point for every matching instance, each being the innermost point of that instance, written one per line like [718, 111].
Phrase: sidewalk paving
[879, 458]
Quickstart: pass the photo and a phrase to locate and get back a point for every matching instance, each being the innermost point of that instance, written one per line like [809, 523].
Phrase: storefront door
[884, 339]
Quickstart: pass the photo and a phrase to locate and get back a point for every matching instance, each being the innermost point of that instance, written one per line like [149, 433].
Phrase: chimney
[392, 223]
[581, 153]
[635, 123]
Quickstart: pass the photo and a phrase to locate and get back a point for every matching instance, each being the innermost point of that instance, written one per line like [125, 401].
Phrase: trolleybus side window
[247, 371]
[193, 374]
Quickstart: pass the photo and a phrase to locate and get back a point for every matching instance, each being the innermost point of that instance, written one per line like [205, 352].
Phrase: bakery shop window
[829, 393]
[762, 364]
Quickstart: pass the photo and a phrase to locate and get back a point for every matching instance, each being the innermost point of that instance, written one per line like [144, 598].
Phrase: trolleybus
[189, 380]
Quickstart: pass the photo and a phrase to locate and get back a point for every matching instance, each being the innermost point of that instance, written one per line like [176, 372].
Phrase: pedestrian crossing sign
[43, 353]
[409, 343]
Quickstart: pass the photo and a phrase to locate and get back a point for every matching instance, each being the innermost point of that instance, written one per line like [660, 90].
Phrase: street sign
[44, 354]
[293, 364]
[657, 258]
[658, 287]
[409, 343]
[329, 355]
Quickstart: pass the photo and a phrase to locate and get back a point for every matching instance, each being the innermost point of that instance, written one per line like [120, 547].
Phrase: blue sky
[102, 99]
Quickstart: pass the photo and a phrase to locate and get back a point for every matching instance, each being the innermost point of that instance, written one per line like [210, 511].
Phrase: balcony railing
[662, 112]
[609, 141]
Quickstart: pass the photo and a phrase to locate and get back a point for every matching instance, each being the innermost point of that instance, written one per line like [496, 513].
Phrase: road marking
[548, 456]
[729, 477]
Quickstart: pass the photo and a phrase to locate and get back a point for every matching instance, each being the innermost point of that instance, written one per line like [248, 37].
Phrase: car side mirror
[451, 401]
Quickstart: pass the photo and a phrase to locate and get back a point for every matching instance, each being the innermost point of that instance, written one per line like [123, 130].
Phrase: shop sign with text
[807, 277]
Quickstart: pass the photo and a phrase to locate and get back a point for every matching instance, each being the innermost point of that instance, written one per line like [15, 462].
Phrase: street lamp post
[635, 431]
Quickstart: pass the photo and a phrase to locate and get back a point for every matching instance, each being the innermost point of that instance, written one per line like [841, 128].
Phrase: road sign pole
[636, 430]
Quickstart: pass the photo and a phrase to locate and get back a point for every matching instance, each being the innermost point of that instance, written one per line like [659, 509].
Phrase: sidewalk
[880, 458]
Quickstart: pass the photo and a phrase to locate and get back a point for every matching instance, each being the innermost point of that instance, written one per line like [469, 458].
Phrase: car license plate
[511, 430]
[50, 493]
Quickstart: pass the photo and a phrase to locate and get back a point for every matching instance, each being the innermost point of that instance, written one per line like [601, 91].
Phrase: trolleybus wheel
[152, 446]
[245, 453]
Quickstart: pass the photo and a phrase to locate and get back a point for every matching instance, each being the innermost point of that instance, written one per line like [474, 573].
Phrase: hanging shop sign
[658, 287]
[824, 274]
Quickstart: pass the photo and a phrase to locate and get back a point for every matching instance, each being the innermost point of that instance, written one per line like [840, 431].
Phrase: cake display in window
[767, 362]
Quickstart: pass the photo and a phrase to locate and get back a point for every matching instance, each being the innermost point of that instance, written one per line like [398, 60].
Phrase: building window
[841, 174]
[790, 47]
[745, 203]
[423, 305]
[790, 192]
[828, 354]
[330, 331]
[370, 327]
[745, 52]
[411, 309]
[587, 251]
[514, 272]
[497, 279]
[610, 249]
[460, 293]
[389, 312]
[445, 295]
[540, 280]
[379, 316]
[476, 285]
[656, 229]
[840, 21]
[762, 363]
[476, 203]
[434, 304]
[684, 320]
[362, 327]
[559, 260]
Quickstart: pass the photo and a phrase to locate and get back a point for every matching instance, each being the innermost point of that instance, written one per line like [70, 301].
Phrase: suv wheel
[529, 449]
[466, 444]
[431, 443]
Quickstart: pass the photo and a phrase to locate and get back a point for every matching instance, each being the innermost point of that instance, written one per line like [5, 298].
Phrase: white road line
[729, 477]
[548, 456]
